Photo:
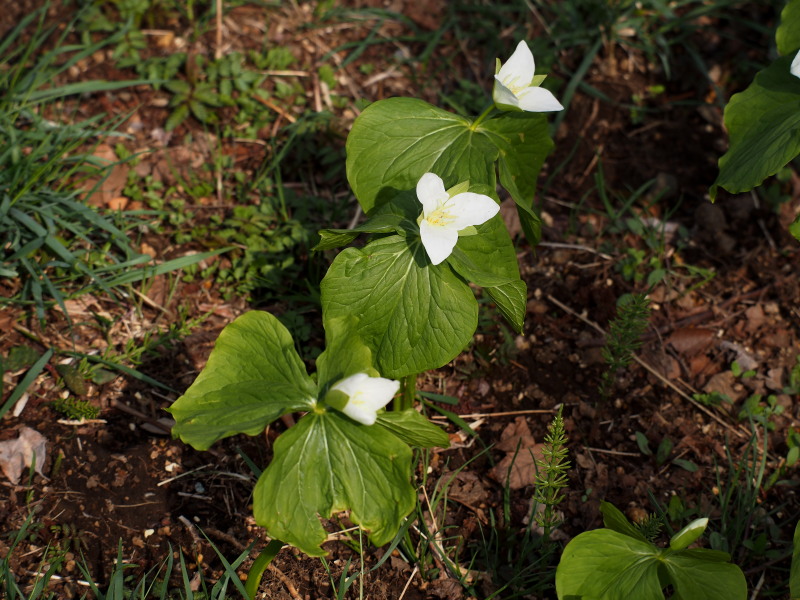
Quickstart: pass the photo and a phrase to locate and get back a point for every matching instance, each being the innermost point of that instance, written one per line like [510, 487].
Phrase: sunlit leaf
[327, 464]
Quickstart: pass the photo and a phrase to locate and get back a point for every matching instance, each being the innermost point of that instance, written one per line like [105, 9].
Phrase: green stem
[482, 116]
[408, 391]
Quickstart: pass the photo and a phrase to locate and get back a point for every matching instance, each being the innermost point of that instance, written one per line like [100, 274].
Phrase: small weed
[75, 409]
[624, 337]
[551, 476]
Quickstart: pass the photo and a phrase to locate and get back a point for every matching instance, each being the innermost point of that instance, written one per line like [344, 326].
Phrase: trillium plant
[763, 121]
[400, 304]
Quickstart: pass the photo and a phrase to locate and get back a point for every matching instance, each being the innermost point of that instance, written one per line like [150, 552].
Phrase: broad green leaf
[523, 142]
[487, 259]
[413, 429]
[787, 36]
[692, 577]
[763, 123]
[335, 238]
[614, 519]
[794, 573]
[326, 464]
[253, 376]
[345, 353]
[512, 301]
[688, 534]
[794, 228]
[396, 141]
[413, 315]
[606, 565]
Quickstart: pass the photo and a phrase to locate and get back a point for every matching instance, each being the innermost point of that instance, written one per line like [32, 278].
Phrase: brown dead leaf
[468, 489]
[118, 203]
[755, 318]
[722, 383]
[19, 454]
[516, 434]
[518, 467]
[691, 341]
[508, 210]
[111, 187]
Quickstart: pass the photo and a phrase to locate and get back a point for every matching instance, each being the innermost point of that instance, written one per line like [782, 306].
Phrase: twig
[614, 452]
[285, 581]
[408, 583]
[139, 415]
[510, 413]
[650, 369]
[171, 479]
[191, 528]
[757, 589]
[580, 247]
[275, 107]
[218, 49]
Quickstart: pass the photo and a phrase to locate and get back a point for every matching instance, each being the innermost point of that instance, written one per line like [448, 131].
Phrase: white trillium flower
[514, 88]
[366, 396]
[444, 216]
[795, 68]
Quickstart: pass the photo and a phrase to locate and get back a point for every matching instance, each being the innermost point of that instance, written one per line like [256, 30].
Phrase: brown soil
[121, 479]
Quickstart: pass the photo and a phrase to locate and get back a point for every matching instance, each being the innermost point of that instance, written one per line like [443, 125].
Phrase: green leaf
[787, 37]
[689, 534]
[794, 573]
[73, 379]
[413, 315]
[693, 576]
[413, 429]
[794, 228]
[396, 141]
[326, 464]
[20, 357]
[179, 86]
[177, 117]
[643, 443]
[253, 376]
[616, 521]
[763, 123]
[335, 238]
[487, 259]
[524, 143]
[512, 300]
[345, 353]
[200, 111]
[663, 451]
[606, 565]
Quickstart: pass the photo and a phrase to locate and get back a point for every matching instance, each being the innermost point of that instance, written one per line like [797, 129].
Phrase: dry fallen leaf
[19, 454]
[519, 464]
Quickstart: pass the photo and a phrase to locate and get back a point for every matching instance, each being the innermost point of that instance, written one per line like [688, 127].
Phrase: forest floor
[699, 425]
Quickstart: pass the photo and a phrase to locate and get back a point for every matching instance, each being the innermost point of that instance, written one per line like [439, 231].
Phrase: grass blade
[23, 385]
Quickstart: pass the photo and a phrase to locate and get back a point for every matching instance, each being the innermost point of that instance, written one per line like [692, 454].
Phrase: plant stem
[482, 116]
[408, 389]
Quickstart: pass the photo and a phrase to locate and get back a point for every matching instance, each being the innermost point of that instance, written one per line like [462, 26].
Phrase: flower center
[515, 84]
[441, 217]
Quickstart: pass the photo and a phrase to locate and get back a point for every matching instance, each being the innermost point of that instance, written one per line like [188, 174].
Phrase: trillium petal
[503, 96]
[471, 209]
[795, 68]
[538, 99]
[518, 71]
[431, 192]
[367, 396]
[437, 241]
